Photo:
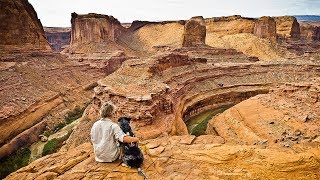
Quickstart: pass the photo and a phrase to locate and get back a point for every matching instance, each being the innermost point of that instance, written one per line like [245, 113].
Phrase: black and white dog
[131, 154]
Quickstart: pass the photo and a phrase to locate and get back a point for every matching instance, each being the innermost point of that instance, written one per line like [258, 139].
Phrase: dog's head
[124, 123]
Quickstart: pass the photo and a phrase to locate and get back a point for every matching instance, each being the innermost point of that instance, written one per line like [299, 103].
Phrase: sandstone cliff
[310, 31]
[194, 32]
[94, 28]
[147, 37]
[20, 28]
[58, 38]
[229, 25]
[161, 91]
[265, 27]
[287, 27]
[95, 36]
[287, 116]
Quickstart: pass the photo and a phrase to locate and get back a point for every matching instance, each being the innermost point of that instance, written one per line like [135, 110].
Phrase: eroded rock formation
[20, 28]
[147, 37]
[222, 26]
[287, 27]
[194, 32]
[95, 36]
[162, 86]
[180, 157]
[161, 92]
[310, 31]
[265, 27]
[94, 28]
[58, 38]
[287, 116]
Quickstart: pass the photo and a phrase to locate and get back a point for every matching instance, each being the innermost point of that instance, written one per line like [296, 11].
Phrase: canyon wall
[20, 27]
[265, 27]
[287, 27]
[58, 38]
[94, 28]
[148, 37]
[194, 32]
[162, 91]
[229, 25]
[310, 31]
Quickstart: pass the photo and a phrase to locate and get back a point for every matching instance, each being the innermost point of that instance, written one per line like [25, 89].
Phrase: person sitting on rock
[105, 136]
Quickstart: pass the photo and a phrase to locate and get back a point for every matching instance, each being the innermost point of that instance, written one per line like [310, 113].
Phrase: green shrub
[74, 115]
[54, 145]
[200, 128]
[51, 146]
[14, 162]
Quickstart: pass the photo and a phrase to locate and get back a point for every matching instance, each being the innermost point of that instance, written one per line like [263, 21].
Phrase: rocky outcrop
[163, 91]
[265, 27]
[287, 27]
[95, 36]
[37, 92]
[180, 157]
[194, 32]
[21, 30]
[310, 31]
[58, 38]
[287, 116]
[94, 28]
[147, 38]
[229, 25]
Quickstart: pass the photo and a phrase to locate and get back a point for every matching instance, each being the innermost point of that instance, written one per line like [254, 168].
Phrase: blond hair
[107, 109]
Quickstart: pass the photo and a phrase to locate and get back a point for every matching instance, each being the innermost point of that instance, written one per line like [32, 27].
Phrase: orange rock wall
[20, 27]
[265, 27]
[287, 27]
[94, 28]
[229, 25]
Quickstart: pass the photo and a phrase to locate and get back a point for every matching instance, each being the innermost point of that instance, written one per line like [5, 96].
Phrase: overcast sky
[57, 13]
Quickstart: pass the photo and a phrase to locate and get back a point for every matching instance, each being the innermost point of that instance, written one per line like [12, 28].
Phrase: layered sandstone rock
[222, 26]
[163, 91]
[95, 36]
[287, 27]
[58, 38]
[194, 32]
[20, 28]
[147, 37]
[310, 31]
[180, 157]
[265, 27]
[287, 116]
[36, 93]
[94, 28]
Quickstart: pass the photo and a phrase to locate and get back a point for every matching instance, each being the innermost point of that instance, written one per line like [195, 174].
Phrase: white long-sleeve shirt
[105, 135]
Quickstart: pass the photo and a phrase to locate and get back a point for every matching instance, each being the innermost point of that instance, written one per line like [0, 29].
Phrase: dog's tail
[142, 173]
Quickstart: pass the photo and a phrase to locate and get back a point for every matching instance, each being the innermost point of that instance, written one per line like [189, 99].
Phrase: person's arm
[122, 137]
[129, 139]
